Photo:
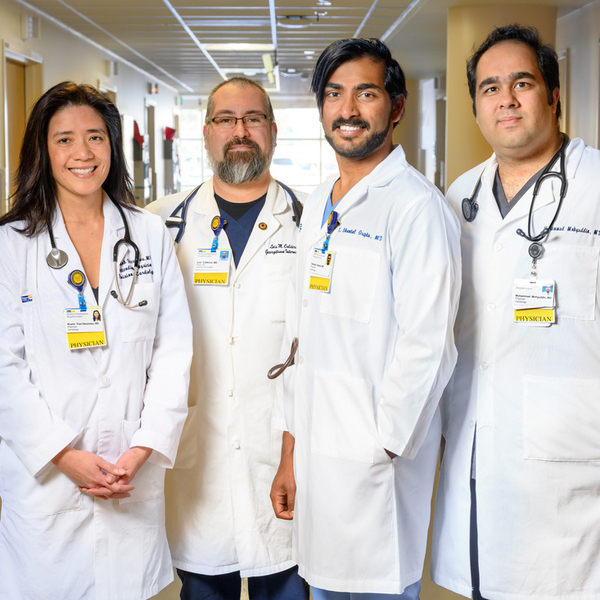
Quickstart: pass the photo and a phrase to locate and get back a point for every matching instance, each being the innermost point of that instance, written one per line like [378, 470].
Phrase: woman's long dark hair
[34, 200]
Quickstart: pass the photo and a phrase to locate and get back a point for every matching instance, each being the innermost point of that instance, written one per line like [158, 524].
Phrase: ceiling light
[240, 47]
[294, 21]
[323, 3]
[292, 73]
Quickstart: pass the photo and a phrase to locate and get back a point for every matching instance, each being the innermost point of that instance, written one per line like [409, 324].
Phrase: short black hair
[545, 54]
[342, 51]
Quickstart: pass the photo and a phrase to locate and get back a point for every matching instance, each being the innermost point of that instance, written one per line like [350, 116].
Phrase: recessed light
[240, 47]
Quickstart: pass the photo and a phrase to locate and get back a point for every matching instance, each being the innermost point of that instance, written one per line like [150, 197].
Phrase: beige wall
[467, 27]
[407, 132]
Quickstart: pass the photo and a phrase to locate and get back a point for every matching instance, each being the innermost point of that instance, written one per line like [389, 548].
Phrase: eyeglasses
[257, 120]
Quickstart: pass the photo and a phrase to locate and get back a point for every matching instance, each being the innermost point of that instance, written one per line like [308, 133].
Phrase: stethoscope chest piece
[57, 258]
[469, 209]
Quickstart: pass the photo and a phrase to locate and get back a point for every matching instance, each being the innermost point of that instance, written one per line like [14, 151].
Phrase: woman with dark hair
[95, 349]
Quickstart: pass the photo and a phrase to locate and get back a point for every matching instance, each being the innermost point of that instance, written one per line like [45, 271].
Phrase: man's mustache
[351, 122]
[240, 142]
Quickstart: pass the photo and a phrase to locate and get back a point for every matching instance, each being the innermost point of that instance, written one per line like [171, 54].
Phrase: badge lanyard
[332, 223]
[217, 225]
[77, 280]
[320, 268]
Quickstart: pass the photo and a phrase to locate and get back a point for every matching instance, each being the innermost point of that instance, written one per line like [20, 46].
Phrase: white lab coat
[219, 514]
[533, 395]
[57, 543]
[374, 356]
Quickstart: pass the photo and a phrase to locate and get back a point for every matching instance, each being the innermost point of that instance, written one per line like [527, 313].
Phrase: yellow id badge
[85, 328]
[534, 302]
[535, 316]
[320, 270]
[212, 267]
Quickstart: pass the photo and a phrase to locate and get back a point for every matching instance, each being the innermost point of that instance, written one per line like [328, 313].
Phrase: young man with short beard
[376, 292]
[237, 252]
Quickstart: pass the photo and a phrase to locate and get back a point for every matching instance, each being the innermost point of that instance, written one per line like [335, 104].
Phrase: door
[16, 110]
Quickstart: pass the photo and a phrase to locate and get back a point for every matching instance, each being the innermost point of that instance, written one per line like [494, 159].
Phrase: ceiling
[172, 39]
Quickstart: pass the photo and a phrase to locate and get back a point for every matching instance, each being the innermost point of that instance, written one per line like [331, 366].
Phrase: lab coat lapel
[198, 229]
[269, 216]
[311, 219]
[378, 177]
[113, 232]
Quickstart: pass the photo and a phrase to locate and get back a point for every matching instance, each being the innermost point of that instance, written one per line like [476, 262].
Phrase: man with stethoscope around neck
[516, 510]
[236, 244]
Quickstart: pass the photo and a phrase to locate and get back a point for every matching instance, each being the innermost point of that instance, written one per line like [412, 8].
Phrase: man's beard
[240, 166]
[371, 142]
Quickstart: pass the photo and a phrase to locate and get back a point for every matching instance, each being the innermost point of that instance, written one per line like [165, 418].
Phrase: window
[302, 159]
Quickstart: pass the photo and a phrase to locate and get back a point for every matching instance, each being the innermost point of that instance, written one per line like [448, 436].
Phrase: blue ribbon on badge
[332, 223]
[216, 225]
[77, 280]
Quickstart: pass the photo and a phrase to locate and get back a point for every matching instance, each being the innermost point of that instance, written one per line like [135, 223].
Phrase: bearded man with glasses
[236, 255]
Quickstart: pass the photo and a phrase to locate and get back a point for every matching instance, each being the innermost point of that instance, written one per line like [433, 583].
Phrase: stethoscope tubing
[58, 258]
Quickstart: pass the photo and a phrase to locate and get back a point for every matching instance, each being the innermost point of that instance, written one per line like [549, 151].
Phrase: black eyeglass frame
[216, 120]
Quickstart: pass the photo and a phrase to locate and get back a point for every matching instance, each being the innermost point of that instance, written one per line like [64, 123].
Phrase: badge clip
[77, 280]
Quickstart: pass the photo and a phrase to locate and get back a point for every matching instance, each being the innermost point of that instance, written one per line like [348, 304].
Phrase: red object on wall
[169, 133]
[137, 136]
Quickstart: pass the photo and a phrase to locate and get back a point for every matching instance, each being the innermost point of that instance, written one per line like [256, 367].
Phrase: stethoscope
[179, 220]
[58, 258]
[470, 206]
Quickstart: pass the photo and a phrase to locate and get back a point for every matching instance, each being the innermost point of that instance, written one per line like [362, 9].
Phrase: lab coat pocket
[138, 324]
[273, 291]
[353, 285]
[188, 445]
[575, 270]
[343, 424]
[50, 493]
[561, 419]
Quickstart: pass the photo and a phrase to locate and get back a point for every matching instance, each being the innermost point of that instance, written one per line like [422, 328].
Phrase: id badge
[212, 267]
[85, 328]
[320, 270]
[534, 302]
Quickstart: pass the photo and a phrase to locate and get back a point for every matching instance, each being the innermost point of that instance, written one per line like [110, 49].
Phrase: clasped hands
[99, 478]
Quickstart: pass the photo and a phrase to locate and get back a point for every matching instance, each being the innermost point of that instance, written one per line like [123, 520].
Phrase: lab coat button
[491, 306]
[105, 380]
[471, 424]
[305, 302]
[237, 285]
[236, 445]
[230, 341]
[498, 247]
[301, 360]
[230, 393]
[484, 366]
